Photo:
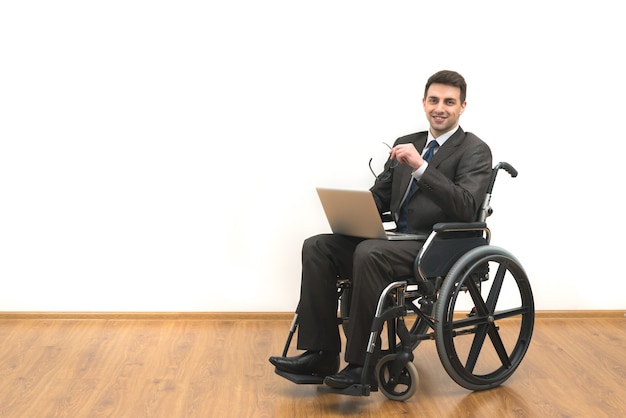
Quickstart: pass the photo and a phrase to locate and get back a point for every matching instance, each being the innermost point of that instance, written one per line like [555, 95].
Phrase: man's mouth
[439, 118]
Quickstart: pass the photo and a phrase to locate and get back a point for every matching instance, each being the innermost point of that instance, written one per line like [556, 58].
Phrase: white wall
[129, 130]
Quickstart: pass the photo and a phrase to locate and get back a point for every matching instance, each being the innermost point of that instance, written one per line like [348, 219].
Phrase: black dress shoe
[349, 376]
[317, 363]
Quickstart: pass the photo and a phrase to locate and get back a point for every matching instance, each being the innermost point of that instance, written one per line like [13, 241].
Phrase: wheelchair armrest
[459, 226]
[446, 244]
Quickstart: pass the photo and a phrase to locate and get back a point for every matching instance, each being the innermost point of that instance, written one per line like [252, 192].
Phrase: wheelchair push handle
[506, 167]
[494, 172]
[486, 210]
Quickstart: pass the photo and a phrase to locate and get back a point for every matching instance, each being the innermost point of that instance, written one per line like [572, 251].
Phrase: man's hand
[407, 154]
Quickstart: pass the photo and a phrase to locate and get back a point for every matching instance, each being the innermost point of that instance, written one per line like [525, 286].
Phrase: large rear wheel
[484, 318]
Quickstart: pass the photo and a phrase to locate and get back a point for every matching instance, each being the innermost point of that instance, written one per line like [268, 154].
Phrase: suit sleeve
[460, 198]
[383, 187]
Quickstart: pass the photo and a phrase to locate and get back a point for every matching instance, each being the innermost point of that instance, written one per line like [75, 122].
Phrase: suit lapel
[447, 148]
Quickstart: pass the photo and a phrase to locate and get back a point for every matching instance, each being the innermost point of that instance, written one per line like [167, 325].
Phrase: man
[451, 187]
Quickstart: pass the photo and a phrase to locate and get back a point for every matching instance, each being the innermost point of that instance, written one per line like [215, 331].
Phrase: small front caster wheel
[397, 382]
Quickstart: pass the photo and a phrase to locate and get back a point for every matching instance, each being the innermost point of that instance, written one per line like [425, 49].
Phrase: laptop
[354, 213]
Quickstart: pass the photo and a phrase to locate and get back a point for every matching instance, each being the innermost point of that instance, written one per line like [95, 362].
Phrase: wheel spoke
[403, 379]
[477, 298]
[496, 286]
[477, 345]
[508, 313]
[494, 335]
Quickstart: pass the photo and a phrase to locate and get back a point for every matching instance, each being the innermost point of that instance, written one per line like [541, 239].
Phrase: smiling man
[440, 175]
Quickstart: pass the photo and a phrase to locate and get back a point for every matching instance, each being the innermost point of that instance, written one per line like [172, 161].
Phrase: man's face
[443, 108]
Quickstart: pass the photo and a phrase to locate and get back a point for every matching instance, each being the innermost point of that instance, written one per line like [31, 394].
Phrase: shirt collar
[441, 139]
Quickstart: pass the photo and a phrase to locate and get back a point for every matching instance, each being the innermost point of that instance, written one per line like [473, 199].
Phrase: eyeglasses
[387, 173]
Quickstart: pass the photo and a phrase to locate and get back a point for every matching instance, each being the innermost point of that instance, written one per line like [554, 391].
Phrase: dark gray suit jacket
[452, 188]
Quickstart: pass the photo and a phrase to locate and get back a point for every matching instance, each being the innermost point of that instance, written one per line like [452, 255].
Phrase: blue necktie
[401, 225]
[430, 151]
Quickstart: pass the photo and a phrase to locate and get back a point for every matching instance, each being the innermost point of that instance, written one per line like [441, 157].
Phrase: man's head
[444, 100]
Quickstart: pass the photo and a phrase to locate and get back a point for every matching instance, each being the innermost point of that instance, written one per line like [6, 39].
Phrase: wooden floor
[126, 367]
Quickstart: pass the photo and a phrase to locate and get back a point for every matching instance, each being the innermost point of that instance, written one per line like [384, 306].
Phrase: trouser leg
[376, 264]
[324, 258]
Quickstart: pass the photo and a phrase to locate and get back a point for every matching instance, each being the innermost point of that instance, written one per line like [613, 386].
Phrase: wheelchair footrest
[354, 390]
[300, 379]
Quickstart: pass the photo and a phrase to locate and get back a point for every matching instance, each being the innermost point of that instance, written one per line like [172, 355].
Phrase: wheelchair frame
[451, 272]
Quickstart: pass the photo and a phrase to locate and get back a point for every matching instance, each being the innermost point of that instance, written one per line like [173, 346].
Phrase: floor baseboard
[257, 316]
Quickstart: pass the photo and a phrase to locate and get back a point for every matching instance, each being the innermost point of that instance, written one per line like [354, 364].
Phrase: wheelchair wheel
[397, 385]
[484, 318]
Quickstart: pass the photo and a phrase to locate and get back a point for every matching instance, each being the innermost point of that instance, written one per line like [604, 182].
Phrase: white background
[163, 155]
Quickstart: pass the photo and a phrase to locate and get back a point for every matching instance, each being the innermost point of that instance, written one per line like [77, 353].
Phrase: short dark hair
[448, 78]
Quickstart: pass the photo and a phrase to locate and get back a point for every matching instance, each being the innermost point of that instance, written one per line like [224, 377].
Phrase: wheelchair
[472, 298]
